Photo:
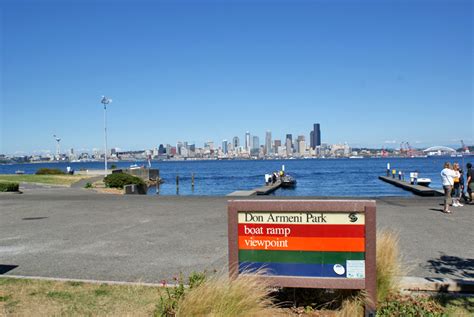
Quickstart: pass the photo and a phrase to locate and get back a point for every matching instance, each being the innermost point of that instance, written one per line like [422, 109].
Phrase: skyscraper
[289, 144]
[247, 141]
[255, 142]
[316, 136]
[236, 142]
[268, 143]
[224, 146]
[300, 144]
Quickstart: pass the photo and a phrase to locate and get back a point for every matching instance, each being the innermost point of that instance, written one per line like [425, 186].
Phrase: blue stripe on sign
[292, 269]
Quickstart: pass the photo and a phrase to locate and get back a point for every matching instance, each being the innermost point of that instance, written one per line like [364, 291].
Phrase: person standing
[469, 181]
[388, 169]
[447, 177]
[456, 194]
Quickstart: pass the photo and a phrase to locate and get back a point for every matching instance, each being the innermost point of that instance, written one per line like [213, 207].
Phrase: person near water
[447, 177]
[469, 181]
[388, 169]
[456, 193]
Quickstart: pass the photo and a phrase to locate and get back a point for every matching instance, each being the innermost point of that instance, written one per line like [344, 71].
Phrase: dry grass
[247, 295]
[46, 298]
[351, 307]
[65, 180]
[389, 271]
[389, 263]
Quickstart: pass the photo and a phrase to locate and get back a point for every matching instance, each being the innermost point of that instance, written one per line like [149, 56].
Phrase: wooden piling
[177, 184]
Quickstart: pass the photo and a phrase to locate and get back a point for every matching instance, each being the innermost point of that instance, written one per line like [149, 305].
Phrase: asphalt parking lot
[75, 233]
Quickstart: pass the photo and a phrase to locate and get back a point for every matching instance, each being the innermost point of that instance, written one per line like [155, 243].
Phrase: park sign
[304, 243]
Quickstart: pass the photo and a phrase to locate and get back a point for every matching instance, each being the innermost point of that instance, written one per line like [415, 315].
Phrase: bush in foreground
[119, 180]
[9, 187]
[389, 266]
[49, 171]
[246, 295]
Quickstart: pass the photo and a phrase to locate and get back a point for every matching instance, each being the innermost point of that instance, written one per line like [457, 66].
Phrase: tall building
[316, 136]
[276, 146]
[289, 144]
[255, 142]
[161, 149]
[247, 141]
[236, 142]
[179, 146]
[268, 143]
[224, 146]
[300, 144]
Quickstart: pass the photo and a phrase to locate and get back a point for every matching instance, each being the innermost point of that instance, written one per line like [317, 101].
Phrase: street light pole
[105, 101]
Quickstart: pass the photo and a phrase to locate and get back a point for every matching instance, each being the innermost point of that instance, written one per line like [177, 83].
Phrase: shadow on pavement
[4, 268]
[452, 265]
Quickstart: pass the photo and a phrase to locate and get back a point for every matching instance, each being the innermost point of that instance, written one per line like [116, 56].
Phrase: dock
[415, 189]
[264, 190]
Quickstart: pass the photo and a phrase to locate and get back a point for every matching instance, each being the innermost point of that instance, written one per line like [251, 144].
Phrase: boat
[20, 172]
[288, 181]
[423, 182]
[356, 157]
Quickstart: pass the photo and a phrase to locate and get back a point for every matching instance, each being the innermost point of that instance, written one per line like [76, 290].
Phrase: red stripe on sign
[278, 230]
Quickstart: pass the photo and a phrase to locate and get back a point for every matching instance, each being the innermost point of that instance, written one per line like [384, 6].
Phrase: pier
[264, 190]
[415, 189]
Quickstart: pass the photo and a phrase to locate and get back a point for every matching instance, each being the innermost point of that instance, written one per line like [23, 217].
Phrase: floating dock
[264, 190]
[415, 189]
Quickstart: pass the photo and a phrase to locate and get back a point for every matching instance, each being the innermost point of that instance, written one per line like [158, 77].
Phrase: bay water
[315, 177]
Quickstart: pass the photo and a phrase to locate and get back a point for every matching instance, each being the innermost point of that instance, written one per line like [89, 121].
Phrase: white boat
[356, 157]
[423, 181]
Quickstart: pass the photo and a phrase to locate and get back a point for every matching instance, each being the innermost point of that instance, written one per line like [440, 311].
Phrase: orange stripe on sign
[302, 244]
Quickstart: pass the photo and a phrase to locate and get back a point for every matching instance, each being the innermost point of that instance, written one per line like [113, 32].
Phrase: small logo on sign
[339, 269]
[353, 217]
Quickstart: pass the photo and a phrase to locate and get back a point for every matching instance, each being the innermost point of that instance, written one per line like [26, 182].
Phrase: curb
[437, 284]
[407, 283]
[61, 279]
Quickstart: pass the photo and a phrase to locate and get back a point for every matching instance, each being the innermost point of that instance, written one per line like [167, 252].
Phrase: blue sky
[372, 73]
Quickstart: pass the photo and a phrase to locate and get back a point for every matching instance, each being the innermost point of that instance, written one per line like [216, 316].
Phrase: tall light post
[58, 148]
[105, 101]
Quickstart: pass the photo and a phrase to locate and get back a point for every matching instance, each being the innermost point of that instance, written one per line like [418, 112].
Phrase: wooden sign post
[305, 243]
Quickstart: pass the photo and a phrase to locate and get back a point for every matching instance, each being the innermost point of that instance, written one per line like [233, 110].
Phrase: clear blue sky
[370, 72]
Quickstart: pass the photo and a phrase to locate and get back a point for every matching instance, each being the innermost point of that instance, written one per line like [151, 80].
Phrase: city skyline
[194, 71]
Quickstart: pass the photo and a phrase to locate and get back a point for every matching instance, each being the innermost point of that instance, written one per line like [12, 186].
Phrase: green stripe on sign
[298, 256]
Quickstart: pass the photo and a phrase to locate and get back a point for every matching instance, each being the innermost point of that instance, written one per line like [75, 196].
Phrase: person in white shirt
[447, 176]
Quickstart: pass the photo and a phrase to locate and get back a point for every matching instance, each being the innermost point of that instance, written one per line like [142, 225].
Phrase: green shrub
[49, 171]
[9, 187]
[88, 185]
[119, 180]
[405, 305]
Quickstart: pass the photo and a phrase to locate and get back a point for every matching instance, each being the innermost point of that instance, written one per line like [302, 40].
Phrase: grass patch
[43, 179]
[48, 298]
[5, 298]
[59, 295]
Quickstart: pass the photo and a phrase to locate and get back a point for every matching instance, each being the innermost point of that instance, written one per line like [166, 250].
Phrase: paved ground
[76, 233]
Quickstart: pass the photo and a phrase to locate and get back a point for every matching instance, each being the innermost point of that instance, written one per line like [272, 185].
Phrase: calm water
[320, 177]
